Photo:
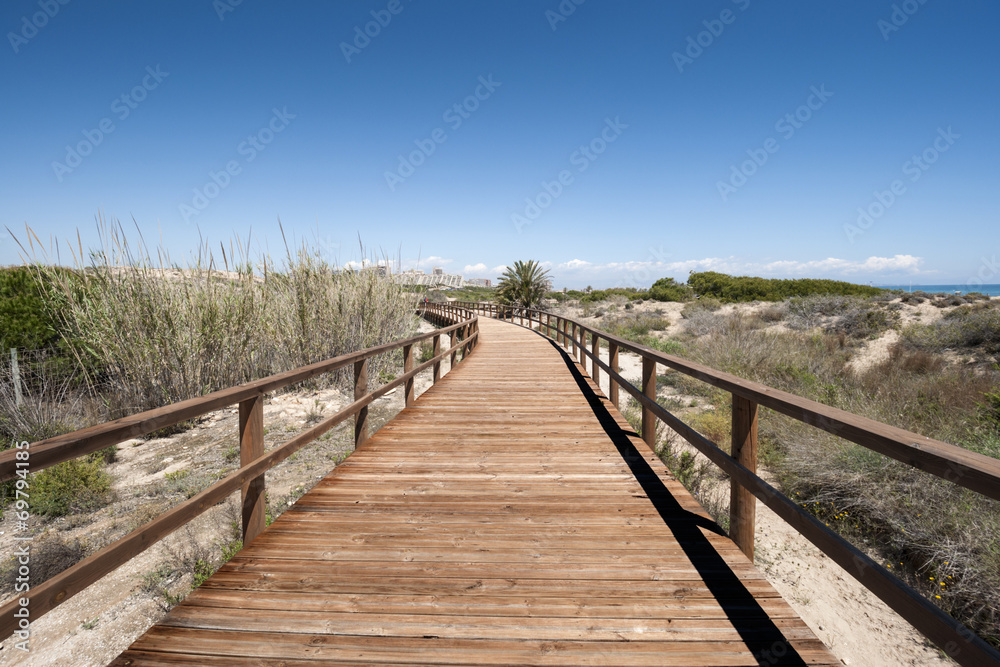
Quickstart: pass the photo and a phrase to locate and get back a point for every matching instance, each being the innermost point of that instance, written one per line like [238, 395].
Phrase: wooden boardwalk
[510, 516]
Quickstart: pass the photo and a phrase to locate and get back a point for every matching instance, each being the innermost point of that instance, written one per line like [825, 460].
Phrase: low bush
[633, 325]
[667, 289]
[866, 322]
[72, 486]
[629, 293]
[962, 328]
[51, 554]
[704, 304]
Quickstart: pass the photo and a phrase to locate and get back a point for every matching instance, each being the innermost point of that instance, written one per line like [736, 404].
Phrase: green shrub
[667, 289]
[630, 293]
[26, 318]
[749, 288]
[72, 486]
[702, 305]
[633, 326]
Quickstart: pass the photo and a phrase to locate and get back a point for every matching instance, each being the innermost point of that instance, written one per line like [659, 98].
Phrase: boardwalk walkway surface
[510, 516]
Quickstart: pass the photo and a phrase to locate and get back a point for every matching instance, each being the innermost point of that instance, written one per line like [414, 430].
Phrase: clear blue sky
[312, 119]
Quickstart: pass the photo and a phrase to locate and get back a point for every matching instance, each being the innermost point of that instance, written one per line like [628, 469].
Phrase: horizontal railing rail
[455, 322]
[963, 467]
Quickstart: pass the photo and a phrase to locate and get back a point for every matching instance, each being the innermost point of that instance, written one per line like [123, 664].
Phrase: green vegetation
[596, 296]
[731, 289]
[26, 319]
[964, 327]
[723, 288]
[71, 486]
[523, 285]
[470, 293]
[667, 289]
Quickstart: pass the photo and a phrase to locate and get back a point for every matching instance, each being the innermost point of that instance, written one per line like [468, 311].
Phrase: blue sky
[617, 142]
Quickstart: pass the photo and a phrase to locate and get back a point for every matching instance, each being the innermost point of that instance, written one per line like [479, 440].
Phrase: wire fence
[43, 392]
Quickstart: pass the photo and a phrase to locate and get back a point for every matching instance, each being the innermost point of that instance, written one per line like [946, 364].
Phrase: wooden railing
[968, 469]
[254, 461]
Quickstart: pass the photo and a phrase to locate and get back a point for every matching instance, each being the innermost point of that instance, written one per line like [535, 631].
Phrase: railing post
[583, 346]
[437, 364]
[451, 343]
[742, 503]
[251, 448]
[407, 367]
[360, 389]
[649, 391]
[15, 374]
[572, 338]
[613, 363]
[595, 348]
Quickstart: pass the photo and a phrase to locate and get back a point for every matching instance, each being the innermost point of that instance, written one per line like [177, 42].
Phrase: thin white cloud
[474, 270]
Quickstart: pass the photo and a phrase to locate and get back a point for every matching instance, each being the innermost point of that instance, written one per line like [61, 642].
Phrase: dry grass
[149, 340]
[929, 530]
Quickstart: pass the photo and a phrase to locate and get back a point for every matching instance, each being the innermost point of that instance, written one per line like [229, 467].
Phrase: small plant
[315, 413]
[71, 486]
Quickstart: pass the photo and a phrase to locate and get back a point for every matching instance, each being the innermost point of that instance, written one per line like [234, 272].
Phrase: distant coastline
[989, 290]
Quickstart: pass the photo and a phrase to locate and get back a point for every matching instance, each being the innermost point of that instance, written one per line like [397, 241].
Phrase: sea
[989, 290]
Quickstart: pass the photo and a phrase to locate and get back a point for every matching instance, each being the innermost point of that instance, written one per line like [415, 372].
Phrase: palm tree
[523, 285]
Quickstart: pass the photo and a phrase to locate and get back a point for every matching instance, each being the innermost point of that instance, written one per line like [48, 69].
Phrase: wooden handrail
[973, 471]
[46, 453]
[254, 462]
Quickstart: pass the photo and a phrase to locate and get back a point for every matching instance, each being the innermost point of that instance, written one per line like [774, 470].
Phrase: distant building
[437, 271]
[479, 282]
[436, 279]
